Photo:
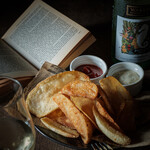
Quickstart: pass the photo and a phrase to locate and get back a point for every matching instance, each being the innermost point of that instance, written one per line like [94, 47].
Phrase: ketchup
[91, 70]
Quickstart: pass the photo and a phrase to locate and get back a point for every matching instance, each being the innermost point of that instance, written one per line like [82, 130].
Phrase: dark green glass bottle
[131, 31]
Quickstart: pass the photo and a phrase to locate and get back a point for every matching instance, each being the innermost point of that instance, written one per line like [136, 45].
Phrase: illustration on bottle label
[133, 39]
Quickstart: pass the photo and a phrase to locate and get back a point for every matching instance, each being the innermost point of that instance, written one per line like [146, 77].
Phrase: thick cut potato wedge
[121, 102]
[110, 131]
[85, 106]
[102, 111]
[39, 100]
[59, 129]
[116, 93]
[58, 116]
[81, 89]
[106, 100]
[81, 123]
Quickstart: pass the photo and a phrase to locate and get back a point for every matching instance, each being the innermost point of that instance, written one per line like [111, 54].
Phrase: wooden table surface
[95, 15]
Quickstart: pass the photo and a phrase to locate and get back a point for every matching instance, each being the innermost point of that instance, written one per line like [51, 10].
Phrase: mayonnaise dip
[126, 77]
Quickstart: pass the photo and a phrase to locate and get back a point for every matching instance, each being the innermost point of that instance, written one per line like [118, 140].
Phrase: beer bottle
[131, 31]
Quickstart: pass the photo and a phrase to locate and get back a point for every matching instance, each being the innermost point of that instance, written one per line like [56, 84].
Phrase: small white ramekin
[135, 87]
[90, 59]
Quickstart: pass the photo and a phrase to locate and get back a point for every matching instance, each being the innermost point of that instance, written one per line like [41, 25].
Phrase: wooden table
[95, 15]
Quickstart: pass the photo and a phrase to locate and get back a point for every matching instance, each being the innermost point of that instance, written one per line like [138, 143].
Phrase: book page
[78, 51]
[44, 34]
[12, 64]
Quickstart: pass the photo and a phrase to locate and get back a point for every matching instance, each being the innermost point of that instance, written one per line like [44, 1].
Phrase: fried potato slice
[59, 129]
[121, 102]
[81, 89]
[85, 106]
[110, 131]
[102, 111]
[60, 117]
[39, 100]
[106, 100]
[81, 123]
[116, 93]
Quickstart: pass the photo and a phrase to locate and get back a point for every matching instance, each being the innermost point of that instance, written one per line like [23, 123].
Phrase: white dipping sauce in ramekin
[126, 77]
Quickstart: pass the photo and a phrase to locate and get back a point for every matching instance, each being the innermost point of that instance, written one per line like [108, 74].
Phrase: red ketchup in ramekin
[92, 71]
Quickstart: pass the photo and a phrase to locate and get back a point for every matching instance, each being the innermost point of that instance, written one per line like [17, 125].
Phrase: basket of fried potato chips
[72, 106]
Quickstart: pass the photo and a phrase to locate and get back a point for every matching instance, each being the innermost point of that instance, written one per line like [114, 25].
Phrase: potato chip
[39, 100]
[104, 97]
[60, 117]
[110, 131]
[81, 89]
[78, 119]
[85, 106]
[102, 111]
[121, 102]
[116, 93]
[59, 129]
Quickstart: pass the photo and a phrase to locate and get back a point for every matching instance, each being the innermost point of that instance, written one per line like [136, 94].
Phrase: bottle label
[138, 10]
[132, 39]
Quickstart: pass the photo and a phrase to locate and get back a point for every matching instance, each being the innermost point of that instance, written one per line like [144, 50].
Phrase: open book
[41, 34]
